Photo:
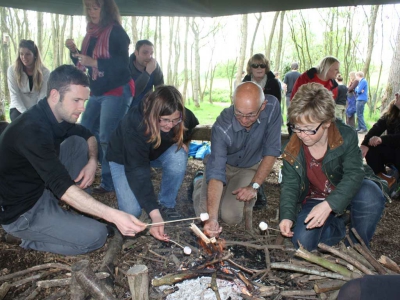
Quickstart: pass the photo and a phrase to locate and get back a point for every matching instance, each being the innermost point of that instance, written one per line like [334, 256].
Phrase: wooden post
[138, 279]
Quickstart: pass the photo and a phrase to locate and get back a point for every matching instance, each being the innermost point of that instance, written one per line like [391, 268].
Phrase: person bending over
[151, 134]
[45, 157]
[323, 175]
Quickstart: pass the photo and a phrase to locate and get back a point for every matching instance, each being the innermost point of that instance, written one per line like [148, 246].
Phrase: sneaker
[169, 214]
[362, 131]
[13, 240]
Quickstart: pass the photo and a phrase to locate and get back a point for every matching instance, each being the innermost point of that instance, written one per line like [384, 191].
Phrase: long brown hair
[109, 11]
[164, 101]
[392, 113]
[38, 65]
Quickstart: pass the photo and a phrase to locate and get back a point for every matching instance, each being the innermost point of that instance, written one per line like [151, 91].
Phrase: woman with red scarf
[105, 55]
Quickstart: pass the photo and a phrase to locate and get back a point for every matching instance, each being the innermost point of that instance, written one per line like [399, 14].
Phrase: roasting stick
[203, 217]
[264, 226]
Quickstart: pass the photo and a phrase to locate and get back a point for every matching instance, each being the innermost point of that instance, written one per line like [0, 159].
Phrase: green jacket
[342, 165]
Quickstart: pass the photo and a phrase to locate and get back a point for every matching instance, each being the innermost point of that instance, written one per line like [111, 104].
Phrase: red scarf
[101, 49]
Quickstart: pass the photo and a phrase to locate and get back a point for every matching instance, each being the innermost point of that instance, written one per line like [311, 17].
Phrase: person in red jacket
[325, 74]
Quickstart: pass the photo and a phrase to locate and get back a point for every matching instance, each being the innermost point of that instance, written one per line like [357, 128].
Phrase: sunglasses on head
[255, 66]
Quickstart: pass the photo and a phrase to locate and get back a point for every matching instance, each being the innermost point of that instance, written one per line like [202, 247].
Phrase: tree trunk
[55, 39]
[185, 60]
[280, 38]
[170, 39]
[243, 45]
[61, 39]
[160, 60]
[258, 17]
[196, 79]
[271, 36]
[393, 84]
[5, 62]
[371, 33]
[177, 47]
[135, 31]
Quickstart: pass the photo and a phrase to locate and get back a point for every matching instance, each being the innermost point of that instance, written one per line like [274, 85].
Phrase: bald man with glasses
[245, 142]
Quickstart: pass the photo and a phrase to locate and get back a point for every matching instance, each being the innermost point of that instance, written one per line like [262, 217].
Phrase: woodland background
[204, 57]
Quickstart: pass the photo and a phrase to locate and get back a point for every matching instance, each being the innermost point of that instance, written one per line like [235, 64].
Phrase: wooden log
[89, 282]
[346, 257]
[35, 268]
[291, 267]
[326, 286]
[214, 286]
[4, 288]
[357, 256]
[203, 133]
[293, 293]
[303, 253]
[46, 284]
[388, 263]
[138, 279]
[363, 249]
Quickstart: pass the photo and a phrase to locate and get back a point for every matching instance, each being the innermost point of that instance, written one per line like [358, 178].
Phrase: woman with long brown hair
[27, 79]
[151, 135]
[105, 55]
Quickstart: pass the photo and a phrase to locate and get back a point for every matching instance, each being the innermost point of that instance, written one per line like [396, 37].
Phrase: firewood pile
[257, 263]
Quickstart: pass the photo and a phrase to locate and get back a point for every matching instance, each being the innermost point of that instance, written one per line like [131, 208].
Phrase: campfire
[255, 266]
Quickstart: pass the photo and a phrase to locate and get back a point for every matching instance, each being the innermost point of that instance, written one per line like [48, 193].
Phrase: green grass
[207, 112]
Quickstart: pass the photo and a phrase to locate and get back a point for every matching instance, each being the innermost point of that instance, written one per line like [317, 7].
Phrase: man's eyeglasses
[239, 115]
[306, 131]
[167, 121]
[255, 66]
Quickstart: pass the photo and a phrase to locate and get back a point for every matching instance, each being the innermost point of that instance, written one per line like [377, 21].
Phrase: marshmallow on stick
[203, 217]
[186, 249]
[264, 226]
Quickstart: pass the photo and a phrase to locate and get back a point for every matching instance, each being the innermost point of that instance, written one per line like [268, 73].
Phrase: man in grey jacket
[145, 70]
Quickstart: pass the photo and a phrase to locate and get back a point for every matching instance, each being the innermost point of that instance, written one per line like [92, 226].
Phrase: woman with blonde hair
[325, 73]
[151, 135]
[351, 100]
[380, 150]
[105, 55]
[259, 71]
[27, 79]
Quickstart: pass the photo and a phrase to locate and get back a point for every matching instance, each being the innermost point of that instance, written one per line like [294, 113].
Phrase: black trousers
[381, 155]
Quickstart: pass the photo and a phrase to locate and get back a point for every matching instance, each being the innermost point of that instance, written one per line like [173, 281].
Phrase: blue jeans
[173, 165]
[49, 227]
[102, 116]
[366, 210]
[360, 114]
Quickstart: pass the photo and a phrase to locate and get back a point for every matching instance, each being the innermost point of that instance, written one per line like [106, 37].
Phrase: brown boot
[389, 179]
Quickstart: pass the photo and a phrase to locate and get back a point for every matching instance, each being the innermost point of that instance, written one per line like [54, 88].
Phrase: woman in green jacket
[323, 175]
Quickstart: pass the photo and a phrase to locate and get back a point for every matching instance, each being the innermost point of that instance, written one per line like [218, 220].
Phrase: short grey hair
[262, 96]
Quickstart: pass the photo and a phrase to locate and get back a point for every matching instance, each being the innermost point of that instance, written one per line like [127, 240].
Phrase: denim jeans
[366, 210]
[173, 165]
[102, 116]
[360, 114]
[49, 227]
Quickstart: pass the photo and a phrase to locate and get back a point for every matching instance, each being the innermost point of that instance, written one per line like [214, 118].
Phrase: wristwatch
[254, 185]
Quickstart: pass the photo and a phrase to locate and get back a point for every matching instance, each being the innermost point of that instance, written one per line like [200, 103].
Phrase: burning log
[138, 278]
[88, 281]
[303, 253]
[327, 286]
[196, 230]
[347, 258]
[388, 263]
